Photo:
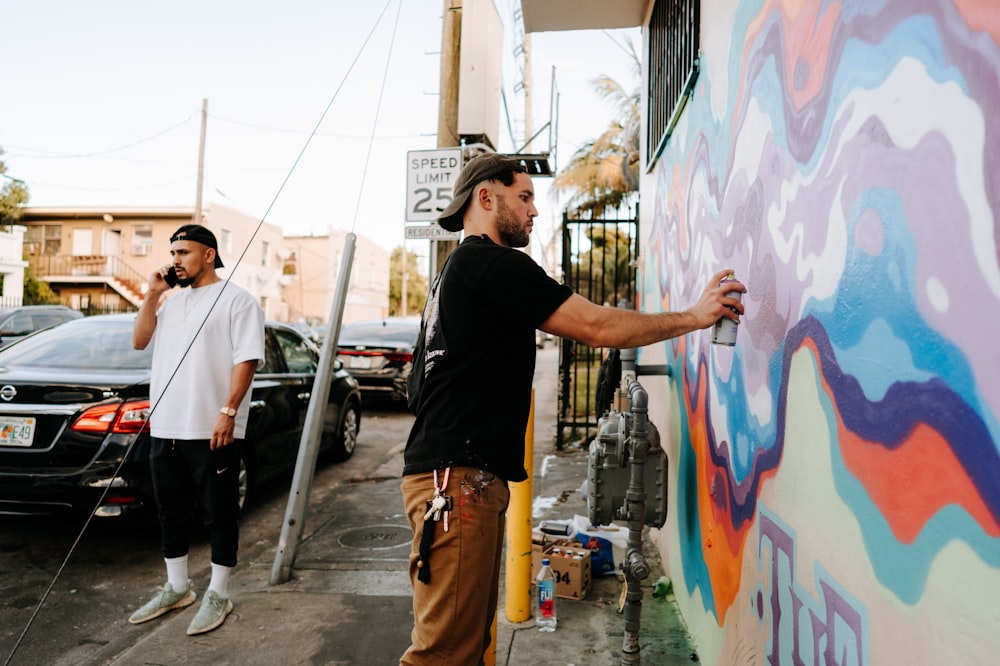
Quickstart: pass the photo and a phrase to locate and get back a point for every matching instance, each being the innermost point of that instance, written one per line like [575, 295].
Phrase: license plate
[360, 362]
[17, 431]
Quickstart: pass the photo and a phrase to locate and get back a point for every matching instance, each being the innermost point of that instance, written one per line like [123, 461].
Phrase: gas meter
[609, 469]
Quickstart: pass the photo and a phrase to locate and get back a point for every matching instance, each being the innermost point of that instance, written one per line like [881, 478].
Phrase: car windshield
[87, 344]
[379, 331]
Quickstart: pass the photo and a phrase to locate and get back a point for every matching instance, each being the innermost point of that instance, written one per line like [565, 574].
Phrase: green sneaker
[163, 601]
[212, 613]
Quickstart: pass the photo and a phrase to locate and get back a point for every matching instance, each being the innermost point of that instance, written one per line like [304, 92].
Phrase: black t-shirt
[478, 340]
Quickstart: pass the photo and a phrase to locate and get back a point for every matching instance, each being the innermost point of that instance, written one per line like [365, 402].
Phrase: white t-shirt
[186, 403]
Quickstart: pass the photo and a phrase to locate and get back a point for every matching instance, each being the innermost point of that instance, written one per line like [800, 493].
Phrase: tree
[37, 292]
[13, 198]
[13, 195]
[416, 284]
[604, 173]
[607, 269]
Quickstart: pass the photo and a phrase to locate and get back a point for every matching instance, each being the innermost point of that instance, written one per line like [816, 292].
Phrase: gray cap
[487, 166]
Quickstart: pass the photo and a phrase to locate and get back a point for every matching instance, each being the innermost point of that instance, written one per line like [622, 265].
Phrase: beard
[188, 280]
[512, 233]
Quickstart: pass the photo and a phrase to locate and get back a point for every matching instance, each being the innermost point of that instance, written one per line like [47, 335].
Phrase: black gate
[599, 263]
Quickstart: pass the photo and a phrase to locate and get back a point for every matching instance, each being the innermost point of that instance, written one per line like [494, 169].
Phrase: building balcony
[71, 275]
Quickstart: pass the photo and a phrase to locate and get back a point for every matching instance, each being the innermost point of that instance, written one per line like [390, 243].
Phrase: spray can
[724, 331]
[556, 528]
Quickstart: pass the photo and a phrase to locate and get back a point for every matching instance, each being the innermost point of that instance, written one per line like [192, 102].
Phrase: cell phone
[171, 277]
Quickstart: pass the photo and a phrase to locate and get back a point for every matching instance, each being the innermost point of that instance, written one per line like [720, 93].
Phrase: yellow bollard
[490, 656]
[517, 599]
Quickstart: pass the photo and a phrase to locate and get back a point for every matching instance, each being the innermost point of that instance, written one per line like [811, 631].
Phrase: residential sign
[432, 232]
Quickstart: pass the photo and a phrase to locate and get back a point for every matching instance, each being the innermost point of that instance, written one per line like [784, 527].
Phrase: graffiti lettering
[830, 631]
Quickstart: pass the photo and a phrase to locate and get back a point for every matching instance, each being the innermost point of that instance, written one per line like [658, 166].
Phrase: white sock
[177, 572]
[220, 580]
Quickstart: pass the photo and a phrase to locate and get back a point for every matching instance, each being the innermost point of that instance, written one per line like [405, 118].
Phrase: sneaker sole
[183, 602]
[214, 625]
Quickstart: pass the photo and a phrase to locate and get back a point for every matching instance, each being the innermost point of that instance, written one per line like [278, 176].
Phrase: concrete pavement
[349, 599]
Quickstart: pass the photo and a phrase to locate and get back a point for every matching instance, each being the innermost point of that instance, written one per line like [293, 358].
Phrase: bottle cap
[545, 561]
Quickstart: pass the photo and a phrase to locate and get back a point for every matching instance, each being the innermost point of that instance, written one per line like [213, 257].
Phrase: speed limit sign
[430, 180]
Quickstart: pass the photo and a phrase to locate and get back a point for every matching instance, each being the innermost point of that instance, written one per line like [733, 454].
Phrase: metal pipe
[635, 568]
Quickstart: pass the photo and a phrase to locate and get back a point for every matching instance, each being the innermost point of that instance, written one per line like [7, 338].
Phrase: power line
[285, 130]
[378, 108]
[49, 155]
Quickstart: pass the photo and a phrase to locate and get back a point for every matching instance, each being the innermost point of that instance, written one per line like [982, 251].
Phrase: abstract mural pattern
[842, 157]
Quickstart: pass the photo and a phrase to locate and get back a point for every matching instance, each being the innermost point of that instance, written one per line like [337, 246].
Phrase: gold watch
[228, 411]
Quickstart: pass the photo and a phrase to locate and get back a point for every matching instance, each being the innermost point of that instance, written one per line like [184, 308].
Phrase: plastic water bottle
[546, 618]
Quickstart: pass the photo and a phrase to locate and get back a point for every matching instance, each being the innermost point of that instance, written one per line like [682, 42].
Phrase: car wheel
[347, 439]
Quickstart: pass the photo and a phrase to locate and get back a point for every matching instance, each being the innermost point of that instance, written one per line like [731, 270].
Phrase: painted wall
[836, 476]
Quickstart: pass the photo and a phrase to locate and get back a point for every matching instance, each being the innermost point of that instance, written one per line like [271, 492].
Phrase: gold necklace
[194, 296]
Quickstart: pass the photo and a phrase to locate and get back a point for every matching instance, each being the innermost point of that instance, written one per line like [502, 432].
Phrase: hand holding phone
[171, 277]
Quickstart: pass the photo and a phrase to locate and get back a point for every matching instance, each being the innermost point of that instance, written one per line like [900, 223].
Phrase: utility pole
[529, 127]
[447, 131]
[402, 286]
[201, 161]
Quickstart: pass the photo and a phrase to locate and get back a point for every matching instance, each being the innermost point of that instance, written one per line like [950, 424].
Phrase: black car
[379, 353]
[75, 398]
[25, 320]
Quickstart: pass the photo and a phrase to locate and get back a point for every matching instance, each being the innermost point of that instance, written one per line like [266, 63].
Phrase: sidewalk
[349, 599]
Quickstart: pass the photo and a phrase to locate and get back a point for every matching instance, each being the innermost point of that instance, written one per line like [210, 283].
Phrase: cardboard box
[569, 562]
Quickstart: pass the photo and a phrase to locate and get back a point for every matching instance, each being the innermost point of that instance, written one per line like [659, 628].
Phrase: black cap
[487, 166]
[198, 234]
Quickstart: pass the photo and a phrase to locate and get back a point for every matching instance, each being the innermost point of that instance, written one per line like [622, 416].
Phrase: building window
[264, 246]
[225, 241]
[673, 68]
[142, 239]
[43, 240]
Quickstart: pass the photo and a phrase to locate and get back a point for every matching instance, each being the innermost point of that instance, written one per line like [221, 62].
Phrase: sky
[312, 104]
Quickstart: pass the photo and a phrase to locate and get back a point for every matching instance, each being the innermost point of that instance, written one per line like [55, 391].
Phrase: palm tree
[604, 173]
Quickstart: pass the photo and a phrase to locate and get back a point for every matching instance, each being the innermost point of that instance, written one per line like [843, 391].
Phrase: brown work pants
[453, 613]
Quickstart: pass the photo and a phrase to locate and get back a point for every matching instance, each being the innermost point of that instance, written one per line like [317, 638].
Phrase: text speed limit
[430, 180]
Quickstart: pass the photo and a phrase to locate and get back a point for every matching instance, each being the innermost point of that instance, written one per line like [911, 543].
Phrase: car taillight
[127, 418]
[133, 417]
[404, 357]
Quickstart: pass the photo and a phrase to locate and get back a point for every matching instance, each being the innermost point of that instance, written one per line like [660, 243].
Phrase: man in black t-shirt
[470, 389]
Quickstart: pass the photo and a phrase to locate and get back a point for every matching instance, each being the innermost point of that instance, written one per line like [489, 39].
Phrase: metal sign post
[312, 431]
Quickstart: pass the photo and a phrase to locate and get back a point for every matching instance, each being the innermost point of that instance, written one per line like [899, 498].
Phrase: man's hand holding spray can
[724, 331]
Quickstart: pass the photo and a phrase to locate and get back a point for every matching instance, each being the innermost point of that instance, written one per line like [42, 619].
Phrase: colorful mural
[837, 490]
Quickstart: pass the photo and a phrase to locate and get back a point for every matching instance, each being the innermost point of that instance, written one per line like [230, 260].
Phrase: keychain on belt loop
[439, 492]
[440, 503]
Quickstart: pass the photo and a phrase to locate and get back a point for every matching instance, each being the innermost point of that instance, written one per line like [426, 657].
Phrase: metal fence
[599, 263]
[92, 308]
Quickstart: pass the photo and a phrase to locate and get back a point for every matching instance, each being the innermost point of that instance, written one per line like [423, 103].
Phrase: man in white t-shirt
[208, 340]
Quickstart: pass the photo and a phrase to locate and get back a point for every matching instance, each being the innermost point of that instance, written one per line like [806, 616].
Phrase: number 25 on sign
[430, 179]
